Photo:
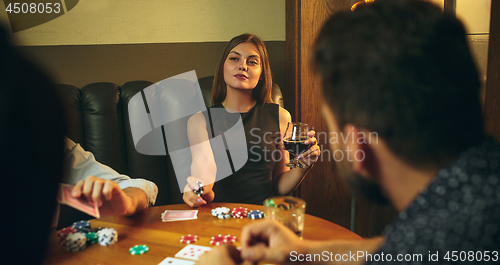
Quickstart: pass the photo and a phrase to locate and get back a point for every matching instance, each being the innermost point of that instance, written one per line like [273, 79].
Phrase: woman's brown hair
[262, 92]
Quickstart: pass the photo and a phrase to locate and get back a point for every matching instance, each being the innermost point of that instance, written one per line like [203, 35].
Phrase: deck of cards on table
[179, 215]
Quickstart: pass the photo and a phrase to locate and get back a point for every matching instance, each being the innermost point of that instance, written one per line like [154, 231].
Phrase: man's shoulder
[459, 210]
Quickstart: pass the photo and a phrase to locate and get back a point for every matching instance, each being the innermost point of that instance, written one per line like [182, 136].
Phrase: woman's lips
[241, 76]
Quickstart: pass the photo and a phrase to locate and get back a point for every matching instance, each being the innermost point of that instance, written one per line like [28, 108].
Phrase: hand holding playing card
[64, 197]
[105, 194]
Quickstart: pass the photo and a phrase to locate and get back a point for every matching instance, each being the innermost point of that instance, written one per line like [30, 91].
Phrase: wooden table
[163, 237]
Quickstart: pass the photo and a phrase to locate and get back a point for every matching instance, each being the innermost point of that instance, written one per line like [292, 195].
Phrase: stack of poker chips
[82, 226]
[92, 238]
[199, 192]
[107, 236]
[221, 212]
[256, 214]
[72, 237]
[240, 212]
[76, 242]
[63, 233]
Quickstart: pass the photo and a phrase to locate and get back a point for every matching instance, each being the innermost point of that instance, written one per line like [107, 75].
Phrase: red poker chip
[218, 240]
[231, 238]
[63, 233]
[240, 212]
[188, 239]
[240, 216]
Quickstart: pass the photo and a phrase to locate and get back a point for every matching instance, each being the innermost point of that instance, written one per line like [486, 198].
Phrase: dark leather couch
[98, 120]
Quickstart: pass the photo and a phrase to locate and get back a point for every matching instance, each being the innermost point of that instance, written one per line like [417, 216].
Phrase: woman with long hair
[242, 86]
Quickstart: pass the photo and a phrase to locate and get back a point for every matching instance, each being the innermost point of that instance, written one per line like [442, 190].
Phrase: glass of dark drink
[295, 136]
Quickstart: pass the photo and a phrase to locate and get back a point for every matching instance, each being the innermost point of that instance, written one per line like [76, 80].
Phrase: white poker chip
[76, 242]
[220, 210]
[224, 216]
[107, 236]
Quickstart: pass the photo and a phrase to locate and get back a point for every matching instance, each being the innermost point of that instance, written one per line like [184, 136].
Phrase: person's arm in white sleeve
[114, 193]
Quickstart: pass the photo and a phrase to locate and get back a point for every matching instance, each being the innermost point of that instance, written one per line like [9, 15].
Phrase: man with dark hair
[401, 69]
[31, 149]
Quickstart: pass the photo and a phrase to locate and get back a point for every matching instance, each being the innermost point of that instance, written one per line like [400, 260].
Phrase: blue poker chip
[256, 214]
[82, 226]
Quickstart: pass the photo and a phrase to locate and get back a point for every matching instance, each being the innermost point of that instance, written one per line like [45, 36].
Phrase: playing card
[192, 252]
[81, 204]
[174, 261]
[179, 215]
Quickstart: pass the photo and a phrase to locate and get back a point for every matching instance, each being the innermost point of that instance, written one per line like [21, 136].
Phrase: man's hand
[109, 197]
[225, 254]
[193, 200]
[271, 241]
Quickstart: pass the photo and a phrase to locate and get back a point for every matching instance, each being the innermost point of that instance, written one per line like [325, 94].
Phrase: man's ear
[361, 153]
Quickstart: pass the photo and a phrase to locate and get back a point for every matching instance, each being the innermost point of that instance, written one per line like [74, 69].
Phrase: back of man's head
[402, 69]
[31, 154]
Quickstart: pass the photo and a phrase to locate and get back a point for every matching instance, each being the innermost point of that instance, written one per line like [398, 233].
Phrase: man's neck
[401, 182]
[406, 187]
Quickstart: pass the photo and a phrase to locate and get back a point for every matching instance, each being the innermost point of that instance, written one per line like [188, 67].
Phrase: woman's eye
[233, 58]
[253, 63]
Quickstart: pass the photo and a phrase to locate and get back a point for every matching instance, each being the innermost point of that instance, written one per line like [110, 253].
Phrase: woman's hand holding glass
[301, 144]
[311, 156]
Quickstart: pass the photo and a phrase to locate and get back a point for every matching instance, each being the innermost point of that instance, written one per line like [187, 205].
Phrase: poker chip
[76, 242]
[188, 239]
[240, 212]
[218, 240]
[63, 233]
[256, 214]
[224, 216]
[220, 210]
[82, 226]
[92, 238]
[231, 238]
[138, 249]
[107, 236]
[199, 192]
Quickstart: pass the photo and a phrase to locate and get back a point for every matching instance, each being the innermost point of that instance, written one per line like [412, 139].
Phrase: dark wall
[79, 65]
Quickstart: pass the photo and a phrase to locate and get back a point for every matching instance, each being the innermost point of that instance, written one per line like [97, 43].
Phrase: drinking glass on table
[294, 142]
[287, 210]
